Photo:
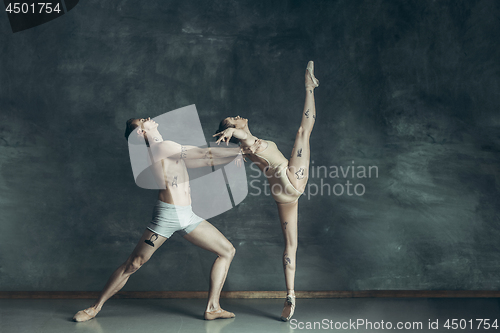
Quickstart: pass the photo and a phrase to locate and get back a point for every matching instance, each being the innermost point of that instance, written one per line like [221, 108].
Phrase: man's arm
[170, 149]
[208, 162]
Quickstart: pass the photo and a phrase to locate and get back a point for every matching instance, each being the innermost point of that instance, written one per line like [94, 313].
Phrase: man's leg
[209, 238]
[141, 254]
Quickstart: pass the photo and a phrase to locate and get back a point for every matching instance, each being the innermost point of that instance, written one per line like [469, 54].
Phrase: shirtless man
[173, 213]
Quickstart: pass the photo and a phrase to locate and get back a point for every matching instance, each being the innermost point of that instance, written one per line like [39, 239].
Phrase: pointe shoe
[289, 308]
[86, 314]
[310, 70]
[218, 314]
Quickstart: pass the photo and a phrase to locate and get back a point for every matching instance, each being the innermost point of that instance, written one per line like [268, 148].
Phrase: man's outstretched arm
[212, 162]
[173, 150]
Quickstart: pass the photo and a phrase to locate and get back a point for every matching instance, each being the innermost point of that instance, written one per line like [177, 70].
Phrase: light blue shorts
[168, 218]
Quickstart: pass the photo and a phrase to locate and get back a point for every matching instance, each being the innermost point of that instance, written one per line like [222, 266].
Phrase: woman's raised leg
[298, 165]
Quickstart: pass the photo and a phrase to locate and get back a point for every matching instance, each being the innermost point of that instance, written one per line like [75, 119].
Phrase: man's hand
[239, 160]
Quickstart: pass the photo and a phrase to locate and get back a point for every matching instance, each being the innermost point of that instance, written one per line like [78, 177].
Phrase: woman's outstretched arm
[228, 133]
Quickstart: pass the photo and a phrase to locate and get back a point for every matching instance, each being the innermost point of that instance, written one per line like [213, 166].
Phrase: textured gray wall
[411, 87]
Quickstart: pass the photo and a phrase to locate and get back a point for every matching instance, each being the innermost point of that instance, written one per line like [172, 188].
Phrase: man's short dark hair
[130, 127]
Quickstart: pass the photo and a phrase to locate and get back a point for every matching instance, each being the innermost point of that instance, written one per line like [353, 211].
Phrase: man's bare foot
[311, 81]
[86, 314]
[218, 314]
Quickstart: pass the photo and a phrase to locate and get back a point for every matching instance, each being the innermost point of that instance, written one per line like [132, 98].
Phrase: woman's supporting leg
[141, 254]
[211, 239]
[288, 214]
[298, 166]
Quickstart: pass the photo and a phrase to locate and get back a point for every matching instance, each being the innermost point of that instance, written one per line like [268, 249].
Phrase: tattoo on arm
[307, 113]
[311, 91]
[299, 153]
[174, 182]
[183, 152]
[284, 224]
[300, 174]
[151, 241]
[208, 154]
[286, 260]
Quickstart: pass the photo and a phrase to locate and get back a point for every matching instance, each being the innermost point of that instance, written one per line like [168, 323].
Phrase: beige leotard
[282, 189]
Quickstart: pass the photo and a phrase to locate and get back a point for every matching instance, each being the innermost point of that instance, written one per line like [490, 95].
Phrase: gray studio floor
[252, 315]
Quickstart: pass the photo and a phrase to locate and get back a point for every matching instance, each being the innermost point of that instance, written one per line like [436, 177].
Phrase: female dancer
[287, 178]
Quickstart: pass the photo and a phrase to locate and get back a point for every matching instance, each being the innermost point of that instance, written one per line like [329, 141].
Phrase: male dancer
[173, 213]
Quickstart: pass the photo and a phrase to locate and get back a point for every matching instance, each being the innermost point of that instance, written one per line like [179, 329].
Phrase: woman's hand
[225, 135]
[228, 133]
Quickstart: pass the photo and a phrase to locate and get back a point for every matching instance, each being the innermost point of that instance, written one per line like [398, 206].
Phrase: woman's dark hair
[225, 125]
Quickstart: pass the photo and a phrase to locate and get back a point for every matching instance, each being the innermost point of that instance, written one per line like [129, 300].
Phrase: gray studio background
[411, 87]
